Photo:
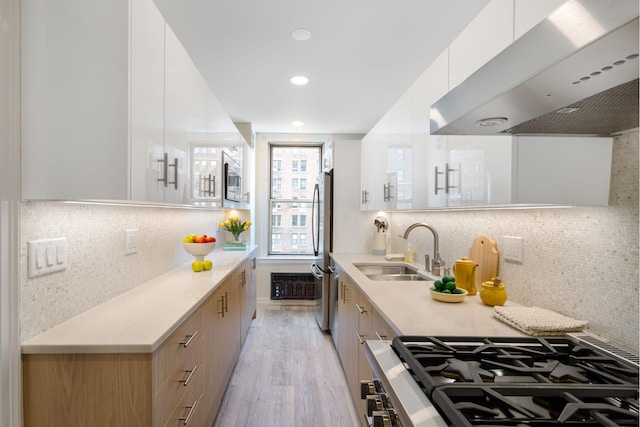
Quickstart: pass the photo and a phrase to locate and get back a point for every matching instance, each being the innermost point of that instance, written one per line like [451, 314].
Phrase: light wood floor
[288, 374]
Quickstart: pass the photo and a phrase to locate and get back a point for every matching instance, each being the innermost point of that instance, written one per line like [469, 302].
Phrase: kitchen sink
[393, 272]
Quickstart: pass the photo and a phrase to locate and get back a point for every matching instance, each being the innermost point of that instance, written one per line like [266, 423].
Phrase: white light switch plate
[512, 248]
[131, 241]
[46, 256]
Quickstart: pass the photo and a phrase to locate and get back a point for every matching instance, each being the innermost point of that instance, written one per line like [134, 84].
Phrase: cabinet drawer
[189, 411]
[179, 384]
[178, 351]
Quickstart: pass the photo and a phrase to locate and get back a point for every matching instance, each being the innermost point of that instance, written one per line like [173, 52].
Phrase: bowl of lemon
[445, 290]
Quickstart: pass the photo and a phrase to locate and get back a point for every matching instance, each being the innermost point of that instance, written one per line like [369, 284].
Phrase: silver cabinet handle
[226, 302]
[360, 338]
[221, 301]
[191, 409]
[381, 337]
[189, 339]
[386, 193]
[165, 168]
[447, 185]
[364, 199]
[175, 173]
[185, 381]
[436, 181]
[361, 309]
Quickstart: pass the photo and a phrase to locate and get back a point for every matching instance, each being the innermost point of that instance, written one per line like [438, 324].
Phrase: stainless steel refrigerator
[322, 231]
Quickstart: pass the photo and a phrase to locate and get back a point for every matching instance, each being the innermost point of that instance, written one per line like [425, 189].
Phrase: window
[305, 161]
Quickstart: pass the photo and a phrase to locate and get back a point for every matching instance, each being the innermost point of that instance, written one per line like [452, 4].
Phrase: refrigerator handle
[315, 219]
[315, 270]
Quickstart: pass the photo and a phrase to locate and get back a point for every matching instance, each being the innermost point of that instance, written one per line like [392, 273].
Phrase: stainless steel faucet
[437, 262]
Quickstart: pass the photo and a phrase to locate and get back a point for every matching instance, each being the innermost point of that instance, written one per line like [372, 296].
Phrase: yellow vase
[493, 292]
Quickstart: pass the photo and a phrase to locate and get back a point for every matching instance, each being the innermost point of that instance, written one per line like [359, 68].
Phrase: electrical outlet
[131, 241]
[46, 256]
[512, 248]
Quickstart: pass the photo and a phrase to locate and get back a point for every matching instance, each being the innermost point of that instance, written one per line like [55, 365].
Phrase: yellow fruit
[207, 264]
[197, 266]
[189, 238]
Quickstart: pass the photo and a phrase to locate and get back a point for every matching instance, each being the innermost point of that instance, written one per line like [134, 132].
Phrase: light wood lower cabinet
[181, 383]
[358, 321]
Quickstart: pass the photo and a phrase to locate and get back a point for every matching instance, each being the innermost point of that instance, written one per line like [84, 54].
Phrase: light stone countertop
[139, 320]
[409, 309]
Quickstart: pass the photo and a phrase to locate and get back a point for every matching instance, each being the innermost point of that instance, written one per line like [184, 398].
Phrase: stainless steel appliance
[501, 381]
[322, 232]
[582, 59]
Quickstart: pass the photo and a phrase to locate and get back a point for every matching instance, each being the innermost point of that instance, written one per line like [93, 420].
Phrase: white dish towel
[538, 321]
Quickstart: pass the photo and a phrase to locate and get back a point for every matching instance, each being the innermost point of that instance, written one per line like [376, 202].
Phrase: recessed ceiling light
[297, 123]
[299, 80]
[301, 34]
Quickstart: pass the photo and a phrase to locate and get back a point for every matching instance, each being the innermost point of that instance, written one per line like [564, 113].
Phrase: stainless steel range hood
[582, 58]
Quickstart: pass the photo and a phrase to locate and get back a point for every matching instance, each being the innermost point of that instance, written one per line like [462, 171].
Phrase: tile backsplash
[581, 262]
[98, 268]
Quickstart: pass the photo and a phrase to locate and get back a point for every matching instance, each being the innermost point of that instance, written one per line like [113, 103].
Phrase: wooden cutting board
[484, 252]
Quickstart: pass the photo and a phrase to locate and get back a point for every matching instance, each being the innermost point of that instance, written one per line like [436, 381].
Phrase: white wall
[581, 262]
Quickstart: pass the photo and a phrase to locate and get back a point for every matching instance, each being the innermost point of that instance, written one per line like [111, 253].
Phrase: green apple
[207, 264]
[189, 238]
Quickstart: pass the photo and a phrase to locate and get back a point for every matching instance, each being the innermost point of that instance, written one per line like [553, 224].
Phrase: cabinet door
[147, 101]
[185, 116]
[478, 170]
[563, 170]
[488, 34]
[74, 91]
[248, 295]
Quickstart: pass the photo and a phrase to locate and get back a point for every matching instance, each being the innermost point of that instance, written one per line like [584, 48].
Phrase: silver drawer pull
[361, 309]
[360, 338]
[185, 382]
[381, 337]
[191, 409]
[189, 339]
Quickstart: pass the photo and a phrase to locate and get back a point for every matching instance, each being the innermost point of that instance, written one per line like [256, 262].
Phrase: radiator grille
[300, 286]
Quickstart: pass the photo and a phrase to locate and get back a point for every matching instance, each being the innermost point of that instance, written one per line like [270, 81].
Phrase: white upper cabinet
[113, 105]
[75, 110]
[488, 34]
[147, 101]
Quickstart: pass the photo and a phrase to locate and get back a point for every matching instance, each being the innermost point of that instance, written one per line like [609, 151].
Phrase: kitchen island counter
[139, 320]
[409, 309]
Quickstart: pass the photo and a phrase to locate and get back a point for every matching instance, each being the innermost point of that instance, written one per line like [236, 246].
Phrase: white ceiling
[362, 56]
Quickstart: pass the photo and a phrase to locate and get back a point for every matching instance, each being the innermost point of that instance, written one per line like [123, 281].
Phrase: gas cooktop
[522, 381]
